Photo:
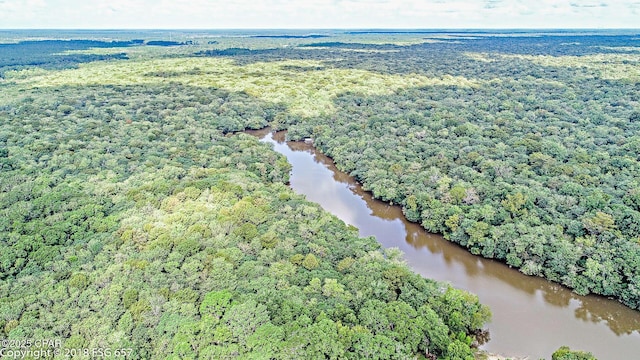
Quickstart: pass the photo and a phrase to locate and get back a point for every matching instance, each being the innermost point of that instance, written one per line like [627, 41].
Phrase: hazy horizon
[318, 14]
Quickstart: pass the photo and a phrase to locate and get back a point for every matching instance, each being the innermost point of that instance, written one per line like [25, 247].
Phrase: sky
[317, 14]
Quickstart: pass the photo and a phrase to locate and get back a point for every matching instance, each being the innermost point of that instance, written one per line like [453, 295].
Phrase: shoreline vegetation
[132, 218]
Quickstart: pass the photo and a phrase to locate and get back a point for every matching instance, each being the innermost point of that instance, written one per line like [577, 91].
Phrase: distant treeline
[169, 43]
[236, 52]
[311, 36]
[47, 53]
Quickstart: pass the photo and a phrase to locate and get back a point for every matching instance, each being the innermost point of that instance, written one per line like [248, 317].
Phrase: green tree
[599, 223]
[216, 303]
[310, 262]
[565, 353]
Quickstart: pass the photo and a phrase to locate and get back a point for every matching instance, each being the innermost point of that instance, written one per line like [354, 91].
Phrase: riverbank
[499, 357]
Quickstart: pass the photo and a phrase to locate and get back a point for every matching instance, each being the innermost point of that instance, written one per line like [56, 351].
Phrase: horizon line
[400, 29]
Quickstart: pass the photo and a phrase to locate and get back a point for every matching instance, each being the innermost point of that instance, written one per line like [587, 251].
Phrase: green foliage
[345, 264]
[514, 203]
[458, 350]
[599, 223]
[310, 262]
[10, 325]
[266, 341]
[129, 298]
[79, 281]
[215, 303]
[184, 241]
[297, 259]
[519, 166]
[565, 353]
[138, 309]
[126, 191]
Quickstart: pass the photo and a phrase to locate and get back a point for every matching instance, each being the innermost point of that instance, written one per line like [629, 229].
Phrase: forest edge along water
[532, 317]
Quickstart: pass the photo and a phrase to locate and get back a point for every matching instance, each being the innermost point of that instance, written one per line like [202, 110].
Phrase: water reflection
[531, 316]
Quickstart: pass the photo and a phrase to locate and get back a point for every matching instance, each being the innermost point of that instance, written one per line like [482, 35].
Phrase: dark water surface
[531, 316]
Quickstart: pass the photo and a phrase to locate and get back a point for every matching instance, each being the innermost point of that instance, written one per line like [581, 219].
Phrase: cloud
[15, 6]
[492, 4]
[588, 5]
[317, 13]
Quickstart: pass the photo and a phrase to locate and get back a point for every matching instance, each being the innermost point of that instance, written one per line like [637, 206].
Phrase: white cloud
[15, 7]
[318, 13]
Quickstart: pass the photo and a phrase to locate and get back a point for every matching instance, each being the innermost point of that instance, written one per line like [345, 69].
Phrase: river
[532, 317]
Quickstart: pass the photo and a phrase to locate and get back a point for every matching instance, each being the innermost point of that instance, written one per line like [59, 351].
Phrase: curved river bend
[532, 317]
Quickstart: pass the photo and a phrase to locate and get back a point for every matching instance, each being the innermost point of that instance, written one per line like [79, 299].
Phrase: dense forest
[135, 214]
[129, 220]
[49, 54]
[534, 163]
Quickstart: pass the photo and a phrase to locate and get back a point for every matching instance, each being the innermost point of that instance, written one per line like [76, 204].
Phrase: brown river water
[532, 317]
